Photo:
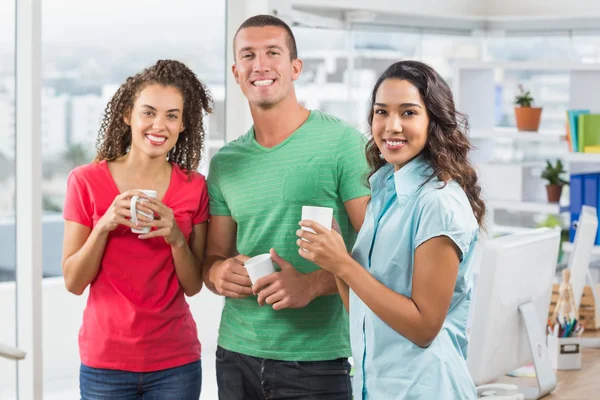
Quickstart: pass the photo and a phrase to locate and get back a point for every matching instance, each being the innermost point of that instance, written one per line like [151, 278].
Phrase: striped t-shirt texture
[263, 189]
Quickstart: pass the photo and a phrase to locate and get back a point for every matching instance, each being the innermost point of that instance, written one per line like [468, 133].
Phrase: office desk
[573, 385]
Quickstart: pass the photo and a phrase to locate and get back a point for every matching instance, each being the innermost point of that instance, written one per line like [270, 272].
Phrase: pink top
[136, 318]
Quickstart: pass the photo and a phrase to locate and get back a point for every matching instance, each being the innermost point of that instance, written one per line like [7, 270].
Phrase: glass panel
[374, 52]
[555, 47]
[442, 50]
[88, 51]
[328, 84]
[8, 382]
[323, 83]
[586, 46]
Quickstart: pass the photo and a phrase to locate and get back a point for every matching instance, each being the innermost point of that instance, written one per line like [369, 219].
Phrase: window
[374, 51]
[529, 47]
[324, 53]
[8, 382]
[85, 61]
[442, 50]
[7, 141]
[586, 46]
[88, 51]
[329, 84]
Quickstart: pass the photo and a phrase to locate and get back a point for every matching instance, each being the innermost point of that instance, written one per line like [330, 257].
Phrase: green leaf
[524, 98]
[552, 173]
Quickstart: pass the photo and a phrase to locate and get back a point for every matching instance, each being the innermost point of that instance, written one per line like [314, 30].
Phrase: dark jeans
[181, 383]
[242, 377]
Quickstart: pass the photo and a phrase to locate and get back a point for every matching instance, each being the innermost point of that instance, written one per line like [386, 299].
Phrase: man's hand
[285, 289]
[230, 278]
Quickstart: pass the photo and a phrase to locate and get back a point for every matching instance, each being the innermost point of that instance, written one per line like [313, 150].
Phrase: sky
[103, 22]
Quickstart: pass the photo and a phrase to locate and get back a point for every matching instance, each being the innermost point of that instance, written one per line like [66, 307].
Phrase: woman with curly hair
[138, 338]
[407, 284]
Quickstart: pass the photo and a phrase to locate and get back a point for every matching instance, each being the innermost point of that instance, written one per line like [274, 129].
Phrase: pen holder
[564, 353]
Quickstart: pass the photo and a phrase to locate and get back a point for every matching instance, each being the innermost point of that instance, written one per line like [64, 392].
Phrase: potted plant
[555, 183]
[528, 117]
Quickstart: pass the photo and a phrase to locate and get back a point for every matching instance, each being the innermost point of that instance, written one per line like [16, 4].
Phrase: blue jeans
[181, 383]
[242, 377]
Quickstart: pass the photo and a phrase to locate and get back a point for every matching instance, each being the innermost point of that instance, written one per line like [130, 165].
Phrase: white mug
[259, 266]
[320, 215]
[134, 211]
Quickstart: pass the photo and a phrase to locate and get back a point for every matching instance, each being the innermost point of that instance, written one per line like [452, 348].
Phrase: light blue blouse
[403, 213]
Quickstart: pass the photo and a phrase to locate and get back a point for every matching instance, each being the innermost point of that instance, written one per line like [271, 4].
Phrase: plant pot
[528, 118]
[554, 192]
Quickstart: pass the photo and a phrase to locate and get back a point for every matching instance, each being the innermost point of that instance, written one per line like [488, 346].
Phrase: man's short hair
[260, 21]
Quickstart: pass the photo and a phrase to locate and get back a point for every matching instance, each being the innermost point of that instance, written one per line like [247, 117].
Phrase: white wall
[62, 315]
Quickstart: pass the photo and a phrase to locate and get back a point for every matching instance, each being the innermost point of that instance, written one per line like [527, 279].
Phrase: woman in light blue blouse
[407, 284]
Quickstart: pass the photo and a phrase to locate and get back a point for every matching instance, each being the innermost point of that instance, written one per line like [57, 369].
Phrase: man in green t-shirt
[291, 339]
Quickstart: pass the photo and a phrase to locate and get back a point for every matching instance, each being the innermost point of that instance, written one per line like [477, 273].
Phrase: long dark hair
[447, 144]
[114, 136]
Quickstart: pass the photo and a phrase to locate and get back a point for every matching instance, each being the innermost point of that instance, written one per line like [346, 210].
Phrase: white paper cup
[320, 215]
[259, 266]
[134, 211]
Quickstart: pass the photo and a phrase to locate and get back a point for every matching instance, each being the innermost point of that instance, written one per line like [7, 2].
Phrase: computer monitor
[579, 262]
[511, 305]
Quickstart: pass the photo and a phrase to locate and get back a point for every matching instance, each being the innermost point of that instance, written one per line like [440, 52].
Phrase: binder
[588, 129]
[573, 121]
[590, 190]
[576, 191]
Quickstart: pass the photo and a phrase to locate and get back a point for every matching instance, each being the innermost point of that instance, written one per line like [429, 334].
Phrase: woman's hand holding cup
[325, 247]
[164, 223]
[119, 213]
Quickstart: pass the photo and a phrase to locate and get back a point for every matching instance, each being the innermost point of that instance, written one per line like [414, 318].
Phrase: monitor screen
[515, 270]
[585, 236]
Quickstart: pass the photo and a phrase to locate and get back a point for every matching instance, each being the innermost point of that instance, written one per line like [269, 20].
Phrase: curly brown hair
[114, 136]
[447, 145]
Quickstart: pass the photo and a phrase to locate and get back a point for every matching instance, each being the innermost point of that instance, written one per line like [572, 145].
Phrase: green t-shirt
[263, 189]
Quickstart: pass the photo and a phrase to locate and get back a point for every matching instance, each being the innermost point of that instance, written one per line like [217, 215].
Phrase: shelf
[514, 134]
[533, 207]
[568, 247]
[583, 157]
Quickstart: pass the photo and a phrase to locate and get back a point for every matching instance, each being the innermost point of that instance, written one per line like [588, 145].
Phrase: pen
[573, 326]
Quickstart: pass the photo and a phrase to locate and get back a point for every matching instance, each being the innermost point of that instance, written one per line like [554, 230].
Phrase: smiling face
[400, 121]
[263, 67]
[156, 120]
